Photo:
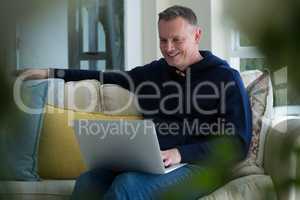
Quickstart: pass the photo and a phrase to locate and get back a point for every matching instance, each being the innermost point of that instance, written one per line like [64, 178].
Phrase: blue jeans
[104, 184]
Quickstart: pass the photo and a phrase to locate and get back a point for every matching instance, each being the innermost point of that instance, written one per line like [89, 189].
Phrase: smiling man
[179, 40]
[186, 94]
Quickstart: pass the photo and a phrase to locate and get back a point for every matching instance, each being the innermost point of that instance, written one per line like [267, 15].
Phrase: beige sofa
[60, 161]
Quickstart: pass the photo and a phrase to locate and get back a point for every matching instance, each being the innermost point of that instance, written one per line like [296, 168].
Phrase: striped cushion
[259, 89]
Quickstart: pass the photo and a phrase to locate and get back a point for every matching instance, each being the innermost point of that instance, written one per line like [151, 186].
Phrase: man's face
[179, 42]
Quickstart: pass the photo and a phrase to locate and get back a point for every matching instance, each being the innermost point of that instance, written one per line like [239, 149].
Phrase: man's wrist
[50, 73]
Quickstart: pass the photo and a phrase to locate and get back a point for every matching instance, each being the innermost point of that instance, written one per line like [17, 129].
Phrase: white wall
[141, 37]
[149, 31]
[215, 35]
[220, 31]
[34, 33]
[133, 36]
[42, 30]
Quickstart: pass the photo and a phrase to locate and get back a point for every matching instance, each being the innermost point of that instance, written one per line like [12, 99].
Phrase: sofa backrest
[59, 152]
[90, 100]
[92, 96]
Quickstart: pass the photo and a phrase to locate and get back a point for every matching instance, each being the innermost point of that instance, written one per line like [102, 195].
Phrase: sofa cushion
[83, 96]
[259, 89]
[282, 153]
[118, 101]
[258, 187]
[19, 141]
[91, 96]
[36, 190]
[59, 152]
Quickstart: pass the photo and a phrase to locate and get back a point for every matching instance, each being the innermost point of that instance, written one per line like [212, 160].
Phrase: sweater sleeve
[75, 74]
[237, 113]
[125, 79]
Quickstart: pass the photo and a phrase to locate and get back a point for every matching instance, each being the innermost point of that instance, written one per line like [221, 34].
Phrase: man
[187, 88]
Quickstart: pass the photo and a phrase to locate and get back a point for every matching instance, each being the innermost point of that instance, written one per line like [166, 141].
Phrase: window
[245, 56]
[96, 34]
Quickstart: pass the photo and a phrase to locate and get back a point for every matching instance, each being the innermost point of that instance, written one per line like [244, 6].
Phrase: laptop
[121, 145]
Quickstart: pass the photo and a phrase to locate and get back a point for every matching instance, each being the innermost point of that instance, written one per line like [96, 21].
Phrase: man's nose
[170, 46]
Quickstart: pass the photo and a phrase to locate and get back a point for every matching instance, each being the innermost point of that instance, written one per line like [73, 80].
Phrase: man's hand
[32, 74]
[171, 157]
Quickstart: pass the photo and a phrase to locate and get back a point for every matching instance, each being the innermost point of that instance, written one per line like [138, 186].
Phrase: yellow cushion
[59, 153]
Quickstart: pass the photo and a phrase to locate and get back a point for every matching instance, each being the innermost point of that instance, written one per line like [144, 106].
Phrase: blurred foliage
[273, 25]
[7, 115]
[6, 100]
[245, 42]
[213, 172]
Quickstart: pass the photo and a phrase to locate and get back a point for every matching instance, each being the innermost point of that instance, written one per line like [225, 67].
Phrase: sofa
[55, 159]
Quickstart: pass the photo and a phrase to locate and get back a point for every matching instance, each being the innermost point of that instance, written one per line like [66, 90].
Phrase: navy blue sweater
[189, 109]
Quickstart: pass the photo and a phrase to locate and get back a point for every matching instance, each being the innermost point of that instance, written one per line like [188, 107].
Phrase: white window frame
[238, 52]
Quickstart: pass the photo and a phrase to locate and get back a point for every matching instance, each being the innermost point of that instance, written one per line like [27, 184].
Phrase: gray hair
[178, 11]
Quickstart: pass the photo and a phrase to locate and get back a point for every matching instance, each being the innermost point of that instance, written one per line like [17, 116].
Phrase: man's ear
[198, 34]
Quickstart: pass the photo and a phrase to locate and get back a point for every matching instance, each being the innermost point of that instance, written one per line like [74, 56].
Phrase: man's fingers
[167, 162]
[170, 157]
[165, 157]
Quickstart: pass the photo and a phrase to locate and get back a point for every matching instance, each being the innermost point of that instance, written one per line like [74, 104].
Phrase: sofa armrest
[282, 155]
[259, 187]
[281, 145]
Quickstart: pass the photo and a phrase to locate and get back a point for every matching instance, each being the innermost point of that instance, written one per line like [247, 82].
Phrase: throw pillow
[59, 152]
[259, 91]
[19, 140]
